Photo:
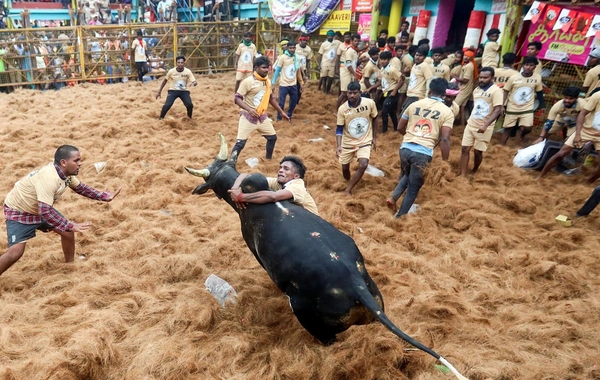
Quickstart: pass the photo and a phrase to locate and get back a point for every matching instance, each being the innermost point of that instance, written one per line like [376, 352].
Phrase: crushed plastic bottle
[373, 171]
[414, 209]
[220, 289]
[315, 139]
[252, 162]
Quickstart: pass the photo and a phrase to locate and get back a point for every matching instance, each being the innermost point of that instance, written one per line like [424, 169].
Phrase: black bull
[318, 267]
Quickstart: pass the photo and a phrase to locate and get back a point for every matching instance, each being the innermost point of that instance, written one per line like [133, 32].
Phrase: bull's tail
[369, 302]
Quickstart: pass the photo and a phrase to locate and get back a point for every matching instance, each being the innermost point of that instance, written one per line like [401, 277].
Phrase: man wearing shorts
[179, 78]
[327, 52]
[254, 97]
[563, 115]
[424, 124]
[244, 59]
[348, 63]
[519, 99]
[29, 205]
[587, 129]
[355, 134]
[487, 106]
[466, 79]
[305, 55]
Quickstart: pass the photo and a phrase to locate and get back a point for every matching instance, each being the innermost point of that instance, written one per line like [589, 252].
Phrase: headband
[450, 92]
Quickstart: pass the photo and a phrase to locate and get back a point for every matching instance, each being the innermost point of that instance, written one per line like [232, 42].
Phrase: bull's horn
[224, 150]
[204, 173]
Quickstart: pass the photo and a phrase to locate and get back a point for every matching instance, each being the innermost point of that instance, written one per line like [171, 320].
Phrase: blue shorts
[19, 232]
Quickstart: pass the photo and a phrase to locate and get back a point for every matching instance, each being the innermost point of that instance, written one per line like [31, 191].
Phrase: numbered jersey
[426, 118]
[503, 75]
[357, 122]
[417, 85]
[521, 92]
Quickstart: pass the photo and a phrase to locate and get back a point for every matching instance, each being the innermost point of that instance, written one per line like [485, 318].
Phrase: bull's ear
[201, 189]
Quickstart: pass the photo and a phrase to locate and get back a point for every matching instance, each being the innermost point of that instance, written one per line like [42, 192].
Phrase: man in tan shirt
[424, 124]
[491, 48]
[29, 206]
[487, 106]
[179, 78]
[288, 186]
[592, 78]
[466, 79]
[420, 73]
[327, 61]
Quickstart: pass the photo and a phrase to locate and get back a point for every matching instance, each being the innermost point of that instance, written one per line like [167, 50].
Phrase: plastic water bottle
[220, 289]
[414, 209]
[373, 171]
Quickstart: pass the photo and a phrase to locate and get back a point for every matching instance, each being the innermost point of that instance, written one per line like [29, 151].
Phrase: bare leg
[67, 240]
[237, 85]
[463, 114]
[346, 171]
[554, 160]
[505, 136]
[478, 160]
[11, 256]
[464, 160]
[362, 166]
[595, 173]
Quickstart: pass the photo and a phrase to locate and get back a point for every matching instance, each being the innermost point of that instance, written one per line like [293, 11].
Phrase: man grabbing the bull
[253, 97]
[288, 186]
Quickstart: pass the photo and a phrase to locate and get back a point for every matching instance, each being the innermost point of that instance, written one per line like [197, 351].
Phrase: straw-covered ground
[482, 273]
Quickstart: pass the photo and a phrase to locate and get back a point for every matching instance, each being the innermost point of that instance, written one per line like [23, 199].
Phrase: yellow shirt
[566, 116]
[389, 78]
[467, 72]
[179, 81]
[328, 51]
[301, 196]
[303, 54]
[372, 72]
[521, 92]
[140, 50]
[341, 52]
[43, 185]
[502, 75]
[287, 76]
[592, 119]
[455, 108]
[252, 90]
[245, 63]
[351, 58]
[441, 71]
[426, 118]
[417, 84]
[357, 122]
[484, 103]
[397, 63]
[592, 80]
[490, 55]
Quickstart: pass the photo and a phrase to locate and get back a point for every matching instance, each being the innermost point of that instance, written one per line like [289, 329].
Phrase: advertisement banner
[338, 21]
[364, 26]
[559, 46]
[362, 6]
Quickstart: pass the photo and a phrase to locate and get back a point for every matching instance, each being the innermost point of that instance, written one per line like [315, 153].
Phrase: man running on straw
[253, 97]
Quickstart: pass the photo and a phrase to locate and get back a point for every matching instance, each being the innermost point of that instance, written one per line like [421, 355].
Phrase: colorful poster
[416, 6]
[362, 6]
[364, 26]
[559, 46]
[338, 21]
[498, 6]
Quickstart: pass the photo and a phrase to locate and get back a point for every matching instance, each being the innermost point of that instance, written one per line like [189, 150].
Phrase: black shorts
[18, 232]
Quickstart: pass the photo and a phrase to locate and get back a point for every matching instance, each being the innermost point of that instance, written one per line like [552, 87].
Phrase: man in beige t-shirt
[587, 129]
[355, 133]
[179, 79]
[592, 77]
[420, 73]
[487, 106]
[328, 54]
[466, 79]
[491, 48]
[288, 186]
[140, 55]
[520, 93]
[244, 59]
[29, 206]
[440, 70]
[371, 79]
[424, 124]
[504, 73]
[563, 115]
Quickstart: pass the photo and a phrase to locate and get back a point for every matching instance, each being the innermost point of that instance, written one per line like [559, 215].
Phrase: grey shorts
[19, 232]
